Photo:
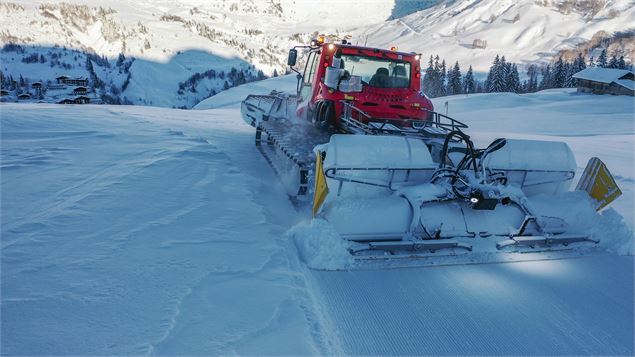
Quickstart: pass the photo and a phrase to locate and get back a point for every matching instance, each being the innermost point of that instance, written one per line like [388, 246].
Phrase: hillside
[524, 31]
[173, 46]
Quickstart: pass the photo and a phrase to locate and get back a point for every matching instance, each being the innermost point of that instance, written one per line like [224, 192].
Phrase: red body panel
[381, 103]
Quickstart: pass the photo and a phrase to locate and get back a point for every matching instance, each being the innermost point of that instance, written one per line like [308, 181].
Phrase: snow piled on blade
[320, 246]
[577, 210]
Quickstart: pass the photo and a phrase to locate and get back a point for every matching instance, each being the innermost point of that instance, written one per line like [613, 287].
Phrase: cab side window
[311, 67]
[309, 72]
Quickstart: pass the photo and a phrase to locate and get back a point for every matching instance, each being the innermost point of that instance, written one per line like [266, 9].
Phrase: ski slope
[152, 231]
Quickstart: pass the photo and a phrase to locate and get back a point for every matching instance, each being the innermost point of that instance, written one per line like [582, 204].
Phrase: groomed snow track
[135, 230]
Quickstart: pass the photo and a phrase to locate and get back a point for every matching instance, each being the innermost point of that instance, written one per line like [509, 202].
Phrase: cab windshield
[378, 72]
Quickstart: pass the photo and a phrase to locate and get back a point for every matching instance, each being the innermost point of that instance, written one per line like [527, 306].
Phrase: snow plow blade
[598, 183]
[544, 241]
[393, 197]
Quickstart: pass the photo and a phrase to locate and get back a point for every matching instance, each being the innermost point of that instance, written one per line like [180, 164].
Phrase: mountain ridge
[254, 36]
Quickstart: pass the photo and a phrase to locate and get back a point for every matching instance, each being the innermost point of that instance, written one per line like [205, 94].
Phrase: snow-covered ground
[140, 230]
[132, 230]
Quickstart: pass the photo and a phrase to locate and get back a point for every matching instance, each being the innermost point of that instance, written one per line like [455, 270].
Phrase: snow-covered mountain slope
[183, 81]
[175, 41]
[524, 31]
[260, 32]
[257, 31]
[139, 230]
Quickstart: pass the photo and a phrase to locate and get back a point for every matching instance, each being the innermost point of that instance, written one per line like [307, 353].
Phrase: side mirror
[293, 56]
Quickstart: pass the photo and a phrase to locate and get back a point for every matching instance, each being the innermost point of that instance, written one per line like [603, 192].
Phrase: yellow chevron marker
[321, 188]
[598, 182]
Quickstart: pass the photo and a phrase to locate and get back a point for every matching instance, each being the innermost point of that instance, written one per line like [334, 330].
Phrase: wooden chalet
[80, 90]
[600, 80]
[72, 81]
[82, 99]
[66, 101]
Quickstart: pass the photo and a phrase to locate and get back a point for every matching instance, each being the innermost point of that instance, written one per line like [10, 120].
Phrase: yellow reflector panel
[597, 181]
[321, 188]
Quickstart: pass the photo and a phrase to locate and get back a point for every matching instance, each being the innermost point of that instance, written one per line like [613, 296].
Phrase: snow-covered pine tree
[621, 63]
[454, 80]
[602, 60]
[500, 74]
[442, 79]
[513, 79]
[89, 65]
[96, 82]
[532, 81]
[120, 60]
[105, 61]
[569, 72]
[547, 78]
[428, 78]
[492, 75]
[468, 82]
[508, 86]
[591, 62]
[448, 89]
[578, 65]
[559, 73]
[613, 62]
[436, 78]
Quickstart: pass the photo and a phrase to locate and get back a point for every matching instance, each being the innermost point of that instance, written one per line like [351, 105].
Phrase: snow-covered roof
[606, 75]
[599, 74]
[72, 78]
[627, 83]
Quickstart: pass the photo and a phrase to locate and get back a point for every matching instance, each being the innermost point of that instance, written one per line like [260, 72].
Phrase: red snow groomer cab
[372, 83]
